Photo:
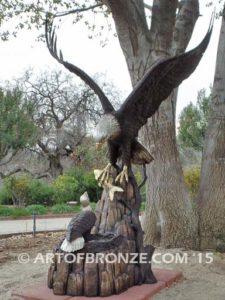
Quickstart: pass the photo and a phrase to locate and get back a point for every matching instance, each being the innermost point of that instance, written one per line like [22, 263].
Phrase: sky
[24, 52]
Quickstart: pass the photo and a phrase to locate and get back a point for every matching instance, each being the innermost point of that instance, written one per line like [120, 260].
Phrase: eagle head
[107, 128]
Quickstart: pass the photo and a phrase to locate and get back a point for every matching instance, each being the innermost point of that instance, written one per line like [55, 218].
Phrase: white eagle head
[107, 128]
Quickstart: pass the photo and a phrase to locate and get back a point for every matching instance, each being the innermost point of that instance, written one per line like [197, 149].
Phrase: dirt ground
[203, 280]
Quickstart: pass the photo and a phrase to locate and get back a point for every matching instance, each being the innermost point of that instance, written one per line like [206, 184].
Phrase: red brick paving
[143, 292]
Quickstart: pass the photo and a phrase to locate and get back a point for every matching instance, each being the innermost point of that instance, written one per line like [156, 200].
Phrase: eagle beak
[98, 146]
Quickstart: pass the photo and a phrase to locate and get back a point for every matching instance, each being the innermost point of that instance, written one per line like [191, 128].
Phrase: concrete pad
[142, 292]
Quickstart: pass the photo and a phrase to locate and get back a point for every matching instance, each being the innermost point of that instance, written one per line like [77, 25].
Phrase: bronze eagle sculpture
[119, 128]
[79, 226]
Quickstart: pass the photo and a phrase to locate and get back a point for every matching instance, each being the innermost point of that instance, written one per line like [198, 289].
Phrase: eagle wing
[157, 85]
[80, 224]
[51, 40]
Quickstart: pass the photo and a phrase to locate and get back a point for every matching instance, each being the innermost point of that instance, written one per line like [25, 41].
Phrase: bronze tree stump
[117, 231]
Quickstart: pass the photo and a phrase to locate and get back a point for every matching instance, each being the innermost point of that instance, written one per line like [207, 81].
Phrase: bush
[86, 182]
[61, 209]
[37, 209]
[40, 193]
[5, 197]
[192, 178]
[13, 212]
[65, 189]
[143, 204]
[20, 212]
[139, 178]
[5, 211]
[28, 191]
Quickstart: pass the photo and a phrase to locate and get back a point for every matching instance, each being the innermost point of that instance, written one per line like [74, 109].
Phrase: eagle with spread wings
[119, 128]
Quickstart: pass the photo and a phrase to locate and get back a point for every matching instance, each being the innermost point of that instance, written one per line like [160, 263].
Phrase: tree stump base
[113, 258]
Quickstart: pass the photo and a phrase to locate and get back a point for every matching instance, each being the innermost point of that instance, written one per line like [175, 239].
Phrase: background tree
[17, 130]
[62, 112]
[193, 121]
[211, 200]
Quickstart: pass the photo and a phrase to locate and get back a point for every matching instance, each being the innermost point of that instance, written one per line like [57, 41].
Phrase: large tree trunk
[55, 167]
[169, 219]
[211, 198]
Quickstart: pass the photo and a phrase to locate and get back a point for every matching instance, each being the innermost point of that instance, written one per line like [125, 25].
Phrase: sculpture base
[143, 292]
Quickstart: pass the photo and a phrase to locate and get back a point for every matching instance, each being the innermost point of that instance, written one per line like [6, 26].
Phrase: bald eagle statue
[79, 226]
[119, 128]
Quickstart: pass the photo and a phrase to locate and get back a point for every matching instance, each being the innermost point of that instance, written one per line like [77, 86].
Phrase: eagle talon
[123, 176]
[103, 176]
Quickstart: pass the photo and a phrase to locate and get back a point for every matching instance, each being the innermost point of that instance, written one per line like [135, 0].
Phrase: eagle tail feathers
[140, 155]
[73, 246]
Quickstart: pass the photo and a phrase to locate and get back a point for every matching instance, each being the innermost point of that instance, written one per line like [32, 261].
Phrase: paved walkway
[21, 226]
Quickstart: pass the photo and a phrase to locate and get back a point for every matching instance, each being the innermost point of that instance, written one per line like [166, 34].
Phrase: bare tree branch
[8, 159]
[78, 10]
[24, 170]
[43, 147]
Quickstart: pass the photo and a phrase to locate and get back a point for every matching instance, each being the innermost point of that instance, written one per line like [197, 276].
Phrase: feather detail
[140, 155]
[73, 246]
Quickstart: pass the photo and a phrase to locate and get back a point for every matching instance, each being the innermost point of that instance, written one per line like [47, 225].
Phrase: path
[21, 226]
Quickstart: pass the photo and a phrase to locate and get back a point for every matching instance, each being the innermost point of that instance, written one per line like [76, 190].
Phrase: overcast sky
[23, 52]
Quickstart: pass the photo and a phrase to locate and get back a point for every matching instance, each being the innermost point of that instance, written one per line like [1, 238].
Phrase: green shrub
[91, 186]
[40, 193]
[86, 182]
[20, 212]
[37, 209]
[65, 189]
[5, 197]
[13, 212]
[139, 177]
[5, 211]
[28, 190]
[143, 204]
[61, 209]
[192, 178]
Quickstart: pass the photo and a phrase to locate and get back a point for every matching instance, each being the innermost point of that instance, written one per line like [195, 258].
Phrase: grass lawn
[14, 212]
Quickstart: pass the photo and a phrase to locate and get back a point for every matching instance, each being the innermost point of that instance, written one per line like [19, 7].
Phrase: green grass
[13, 212]
[64, 209]
[19, 212]
[93, 205]
[6, 211]
[37, 209]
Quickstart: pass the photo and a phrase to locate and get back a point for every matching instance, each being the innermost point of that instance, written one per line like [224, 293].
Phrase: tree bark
[211, 198]
[55, 167]
[169, 219]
